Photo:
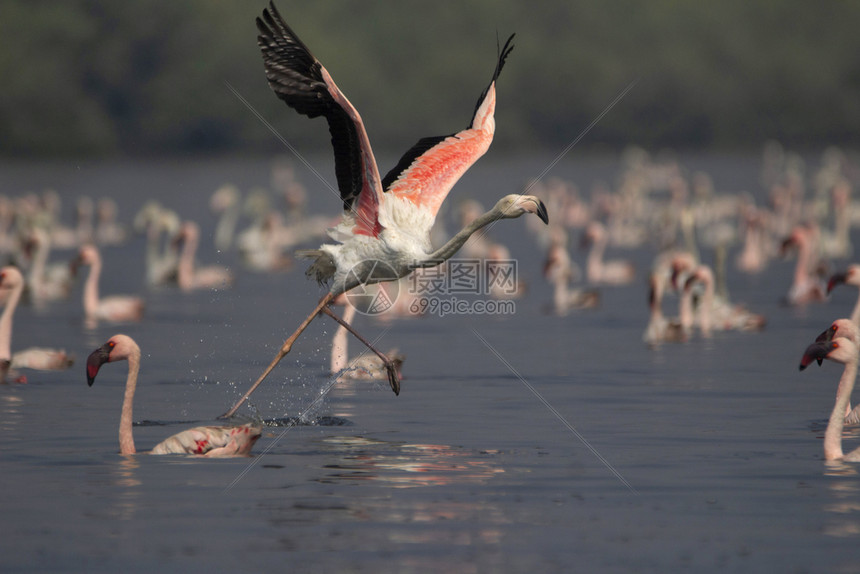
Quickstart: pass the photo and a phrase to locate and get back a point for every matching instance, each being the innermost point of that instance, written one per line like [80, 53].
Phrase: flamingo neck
[685, 309]
[706, 306]
[594, 265]
[185, 269]
[804, 262]
[655, 297]
[91, 288]
[6, 322]
[457, 241]
[339, 343]
[37, 269]
[833, 434]
[126, 438]
[855, 314]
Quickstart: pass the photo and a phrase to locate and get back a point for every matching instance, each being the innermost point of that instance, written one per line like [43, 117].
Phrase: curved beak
[836, 279]
[817, 351]
[94, 362]
[542, 213]
[826, 335]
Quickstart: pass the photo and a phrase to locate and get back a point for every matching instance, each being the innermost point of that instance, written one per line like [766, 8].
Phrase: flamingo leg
[393, 379]
[285, 348]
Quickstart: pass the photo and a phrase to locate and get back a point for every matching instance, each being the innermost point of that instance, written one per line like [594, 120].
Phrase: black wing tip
[503, 55]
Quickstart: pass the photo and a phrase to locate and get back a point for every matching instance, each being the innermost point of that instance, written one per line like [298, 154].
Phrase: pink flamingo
[667, 269]
[716, 312]
[806, 287]
[849, 330]
[385, 231]
[597, 270]
[113, 308]
[559, 270]
[37, 358]
[844, 351]
[190, 276]
[211, 441]
[364, 367]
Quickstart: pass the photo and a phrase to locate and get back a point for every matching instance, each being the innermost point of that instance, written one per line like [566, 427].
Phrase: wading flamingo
[806, 286]
[35, 358]
[559, 270]
[840, 350]
[597, 270]
[365, 367]
[385, 231]
[848, 329]
[113, 308]
[190, 276]
[211, 441]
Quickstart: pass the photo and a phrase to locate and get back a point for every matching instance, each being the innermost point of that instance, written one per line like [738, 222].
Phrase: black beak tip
[542, 213]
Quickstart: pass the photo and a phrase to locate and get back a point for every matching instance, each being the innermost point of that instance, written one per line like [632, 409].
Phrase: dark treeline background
[152, 77]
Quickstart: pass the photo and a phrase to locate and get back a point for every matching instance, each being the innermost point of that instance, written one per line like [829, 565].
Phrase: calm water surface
[704, 456]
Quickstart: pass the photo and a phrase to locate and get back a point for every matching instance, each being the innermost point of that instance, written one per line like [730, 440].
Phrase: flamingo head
[841, 350]
[116, 348]
[514, 205]
[10, 277]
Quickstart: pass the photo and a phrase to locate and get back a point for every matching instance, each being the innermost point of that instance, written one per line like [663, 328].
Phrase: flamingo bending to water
[112, 308]
[385, 231]
[211, 441]
[34, 358]
[840, 350]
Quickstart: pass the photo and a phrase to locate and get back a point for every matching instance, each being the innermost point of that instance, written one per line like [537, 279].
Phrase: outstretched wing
[427, 172]
[299, 79]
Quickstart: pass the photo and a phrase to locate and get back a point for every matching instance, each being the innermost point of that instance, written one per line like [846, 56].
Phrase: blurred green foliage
[150, 77]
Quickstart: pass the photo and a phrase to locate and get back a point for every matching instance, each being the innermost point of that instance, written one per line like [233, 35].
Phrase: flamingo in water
[849, 330]
[34, 358]
[840, 350]
[385, 230]
[364, 367]
[211, 441]
[112, 308]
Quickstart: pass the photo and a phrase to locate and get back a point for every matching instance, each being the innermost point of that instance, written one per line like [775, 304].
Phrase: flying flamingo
[38, 358]
[840, 350]
[211, 441]
[113, 308]
[385, 231]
